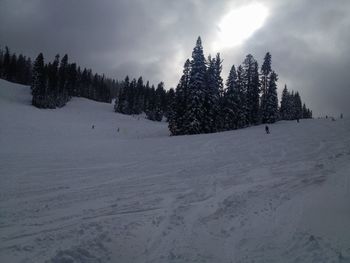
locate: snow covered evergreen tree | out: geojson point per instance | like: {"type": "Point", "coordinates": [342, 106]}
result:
{"type": "Point", "coordinates": [251, 82]}
{"type": "Point", "coordinates": [155, 113]}
{"type": "Point", "coordinates": [72, 79]}
{"type": "Point", "coordinates": [297, 104]}
{"type": "Point", "coordinates": [176, 121]}
{"type": "Point", "coordinates": [232, 103]}
{"type": "Point", "coordinates": [284, 112]}
{"type": "Point", "coordinates": [170, 103]}
{"type": "Point", "coordinates": [211, 99]}
{"type": "Point", "coordinates": [307, 113]}
{"type": "Point", "coordinates": [139, 94]}
{"type": "Point", "coordinates": [62, 96]}
{"type": "Point", "coordinates": [271, 108]}
{"type": "Point", "coordinates": [219, 83]}
{"type": "Point", "coordinates": [52, 83]}
{"type": "Point", "coordinates": [6, 64]}
{"type": "Point", "coordinates": [265, 80]}
{"type": "Point", "coordinates": [38, 85]}
{"type": "Point", "coordinates": [193, 119]}
{"type": "Point", "coordinates": [121, 104]}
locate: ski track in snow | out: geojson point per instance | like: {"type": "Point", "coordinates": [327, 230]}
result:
{"type": "Point", "coordinates": [69, 193]}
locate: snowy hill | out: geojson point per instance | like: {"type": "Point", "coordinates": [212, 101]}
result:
{"type": "Point", "coordinates": [70, 193]}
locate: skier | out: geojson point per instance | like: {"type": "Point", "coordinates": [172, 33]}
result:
{"type": "Point", "coordinates": [267, 129]}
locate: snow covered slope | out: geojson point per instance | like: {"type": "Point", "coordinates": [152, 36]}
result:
{"type": "Point", "coordinates": [69, 193]}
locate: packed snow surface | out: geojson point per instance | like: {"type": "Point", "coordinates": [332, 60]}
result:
{"type": "Point", "coordinates": [70, 193]}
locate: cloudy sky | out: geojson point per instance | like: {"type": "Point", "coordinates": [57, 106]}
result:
{"type": "Point", "coordinates": [308, 39]}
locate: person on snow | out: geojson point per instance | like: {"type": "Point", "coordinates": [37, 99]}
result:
{"type": "Point", "coordinates": [267, 129]}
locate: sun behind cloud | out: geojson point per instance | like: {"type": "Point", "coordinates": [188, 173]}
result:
{"type": "Point", "coordinates": [239, 24]}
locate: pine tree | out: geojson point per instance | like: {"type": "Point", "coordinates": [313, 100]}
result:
{"type": "Point", "coordinates": [28, 72]}
{"type": "Point", "coordinates": [6, 64]}
{"type": "Point", "coordinates": [177, 121]}
{"type": "Point", "coordinates": [53, 79]}
{"type": "Point", "coordinates": [265, 79]}
{"type": "Point", "coordinates": [19, 75]}
{"type": "Point", "coordinates": [131, 91]}
{"type": "Point", "coordinates": [146, 97]}
{"type": "Point", "coordinates": [1, 62]}
{"type": "Point", "coordinates": [38, 83]}
{"type": "Point", "coordinates": [139, 96]}
{"type": "Point", "coordinates": [158, 112]}
{"type": "Point", "coordinates": [298, 111]}
{"type": "Point", "coordinates": [284, 104]}
{"type": "Point", "coordinates": [12, 68]}
{"type": "Point", "coordinates": [95, 86]}
{"type": "Point", "coordinates": [62, 97]}
{"type": "Point", "coordinates": [219, 94]}
{"type": "Point", "coordinates": [271, 110]}
{"type": "Point", "coordinates": [242, 115]}
{"type": "Point", "coordinates": [251, 82]}
{"type": "Point", "coordinates": [72, 80]}
{"type": "Point", "coordinates": [121, 104]}
{"type": "Point", "coordinates": [152, 103]}
{"type": "Point", "coordinates": [232, 103]}
{"type": "Point", "coordinates": [170, 103]}
{"type": "Point", "coordinates": [193, 119]}
{"type": "Point", "coordinates": [211, 99]}
{"type": "Point", "coordinates": [305, 113]}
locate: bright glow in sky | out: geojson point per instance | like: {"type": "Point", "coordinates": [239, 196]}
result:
{"type": "Point", "coordinates": [239, 24]}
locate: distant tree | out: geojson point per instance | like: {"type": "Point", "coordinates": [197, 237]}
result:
{"type": "Point", "coordinates": [271, 108]}
{"type": "Point", "coordinates": [28, 71]}
{"type": "Point", "coordinates": [219, 95]}
{"type": "Point", "coordinates": [297, 104]}
{"type": "Point", "coordinates": [121, 104]}
{"type": "Point", "coordinates": [211, 98]}
{"type": "Point", "coordinates": [170, 103]}
{"type": "Point", "coordinates": [251, 82]}
{"type": "Point", "coordinates": [38, 83]}
{"type": "Point", "coordinates": [6, 64]}
{"type": "Point", "coordinates": [139, 96]}
{"type": "Point", "coordinates": [53, 78]}
{"type": "Point", "coordinates": [242, 114]}
{"type": "Point", "coordinates": [12, 68]}
{"type": "Point", "coordinates": [155, 113]}
{"type": "Point", "coordinates": [180, 107]}
{"type": "Point", "coordinates": [265, 73]}
{"type": "Point", "coordinates": [232, 103]}
{"type": "Point", "coordinates": [1, 62]}
{"type": "Point", "coordinates": [20, 68]}
{"type": "Point", "coordinates": [62, 96]}
{"type": "Point", "coordinates": [284, 111]}
{"type": "Point", "coordinates": [72, 80]}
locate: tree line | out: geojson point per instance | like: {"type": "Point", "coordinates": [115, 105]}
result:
{"type": "Point", "coordinates": [54, 83]}
{"type": "Point", "coordinates": [15, 68]}
{"type": "Point", "coordinates": [292, 107]}
{"type": "Point", "coordinates": [136, 97]}
{"type": "Point", "coordinates": [203, 105]}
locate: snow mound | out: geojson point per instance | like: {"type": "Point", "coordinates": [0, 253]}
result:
{"type": "Point", "coordinates": [70, 193]}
